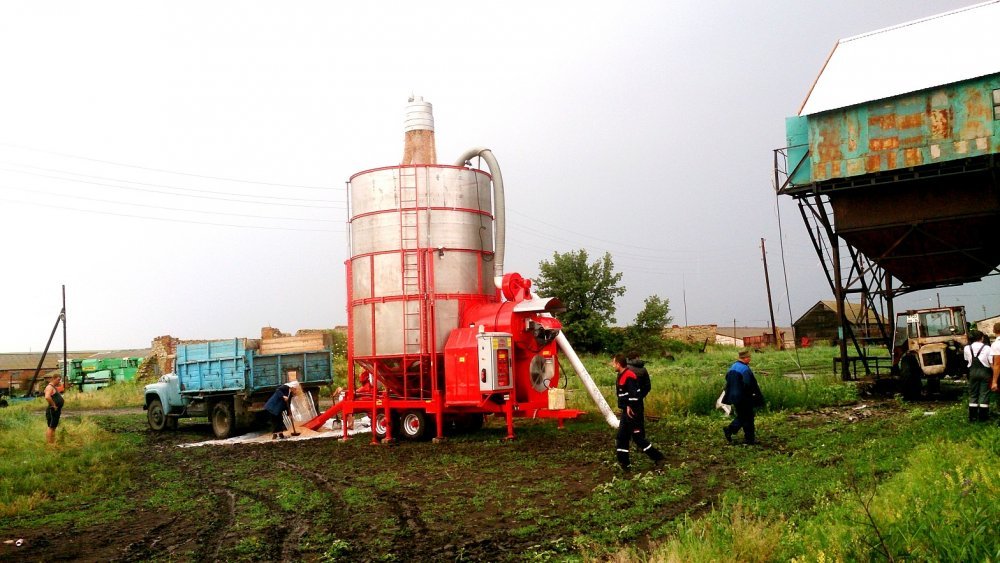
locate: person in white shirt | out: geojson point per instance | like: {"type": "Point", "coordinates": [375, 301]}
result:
{"type": "Point", "coordinates": [995, 350]}
{"type": "Point", "coordinates": [979, 358]}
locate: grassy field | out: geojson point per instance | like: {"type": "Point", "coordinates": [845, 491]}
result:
{"type": "Point", "coordinates": [837, 478]}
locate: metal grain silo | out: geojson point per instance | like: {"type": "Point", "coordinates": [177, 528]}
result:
{"type": "Point", "coordinates": [421, 250]}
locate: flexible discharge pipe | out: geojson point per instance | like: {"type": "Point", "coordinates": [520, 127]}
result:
{"type": "Point", "coordinates": [498, 205]}
{"type": "Point", "coordinates": [588, 382]}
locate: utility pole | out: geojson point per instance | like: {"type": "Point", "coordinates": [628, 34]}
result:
{"type": "Point", "coordinates": [65, 381]}
{"type": "Point", "coordinates": [684, 294]}
{"type": "Point", "coordinates": [60, 319]}
{"type": "Point", "coordinates": [770, 305]}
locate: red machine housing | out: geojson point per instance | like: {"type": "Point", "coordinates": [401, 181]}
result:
{"type": "Point", "coordinates": [501, 362]}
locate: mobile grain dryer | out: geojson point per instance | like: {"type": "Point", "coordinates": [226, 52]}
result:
{"type": "Point", "coordinates": [438, 334]}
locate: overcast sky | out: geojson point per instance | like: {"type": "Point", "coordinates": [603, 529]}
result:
{"type": "Point", "coordinates": [181, 166]}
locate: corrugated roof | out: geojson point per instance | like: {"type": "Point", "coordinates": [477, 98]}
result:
{"type": "Point", "coordinates": [934, 51]}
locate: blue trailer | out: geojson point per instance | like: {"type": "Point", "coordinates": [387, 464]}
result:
{"type": "Point", "coordinates": [229, 381]}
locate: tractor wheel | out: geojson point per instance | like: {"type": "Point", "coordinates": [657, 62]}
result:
{"type": "Point", "coordinates": [155, 416]}
{"type": "Point", "coordinates": [416, 425]}
{"type": "Point", "coordinates": [380, 426]}
{"type": "Point", "coordinates": [222, 419]}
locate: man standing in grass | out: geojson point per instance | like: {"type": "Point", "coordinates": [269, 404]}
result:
{"type": "Point", "coordinates": [978, 356]}
{"type": "Point", "coordinates": [55, 400]}
{"type": "Point", "coordinates": [995, 353]}
{"type": "Point", "coordinates": [632, 428]}
{"type": "Point", "coordinates": [744, 394]}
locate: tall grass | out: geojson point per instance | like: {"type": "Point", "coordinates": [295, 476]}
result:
{"type": "Point", "coordinates": [120, 395]}
{"type": "Point", "coordinates": [84, 460]}
{"type": "Point", "coordinates": [926, 490]}
{"type": "Point", "coordinates": [691, 382]}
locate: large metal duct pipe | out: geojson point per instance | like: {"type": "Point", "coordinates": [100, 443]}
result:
{"type": "Point", "coordinates": [498, 205]}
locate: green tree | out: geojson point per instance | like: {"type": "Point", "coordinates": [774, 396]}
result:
{"type": "Point", "coordinates": [645, 335]}
{"type": "Point", "coordinates": [588, 290]}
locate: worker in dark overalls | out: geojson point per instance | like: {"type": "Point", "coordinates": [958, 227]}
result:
{"type": "Point", "coordinates": [631, 428]}
{"type": "Point", "coordinates": [277, 405]}
{"type": "Point", "coordinates": [979, 359]}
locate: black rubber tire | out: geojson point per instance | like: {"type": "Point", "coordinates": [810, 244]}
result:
{"type": "Point", "coordinates": [3, 403]}
{"type": "Point", "coordinates": [415, 425]}
{"type": "Point", "coordinates": [221, 417]}
{"type": "Point", "coordinates": [155, 416]}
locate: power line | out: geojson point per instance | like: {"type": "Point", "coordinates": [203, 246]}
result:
{"type": "Point", "coordinates": [169, 186]}
{"type": "Point", "coordinates": [99, 200]}
{"type": "Point", "coordinates": [145, 217]}
{"type": "Point", "coordinates": [163, 170]}
{"type": "Point", "coordinates": [168, 193]}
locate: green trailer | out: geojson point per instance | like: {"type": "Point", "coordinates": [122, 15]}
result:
{"type": "Point", "coordinates": [97, 373]}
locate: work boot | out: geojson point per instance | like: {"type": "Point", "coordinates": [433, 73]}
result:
{"type": "Point", "coordinates": [984, 413]}
{"type": "Point", "coordinates": [973, 413]}
{"type": "Point", "coordinates": [729, 434]}
{"type": "Point", "coordinates": [623, 461]}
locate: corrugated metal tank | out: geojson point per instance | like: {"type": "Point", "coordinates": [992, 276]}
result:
{"type": "Point", "coordinates": [421, 240]}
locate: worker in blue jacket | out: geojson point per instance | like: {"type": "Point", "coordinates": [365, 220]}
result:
{"type": "Point", "coordinates": [631, 428]}
{"type": "Point", "coordinates": [744, 394]}
{"type": "Point", "coordinates": [278, 404]}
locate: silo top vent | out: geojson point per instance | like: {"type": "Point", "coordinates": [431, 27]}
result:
{"type": "Point", "coordinates": [419, 115]}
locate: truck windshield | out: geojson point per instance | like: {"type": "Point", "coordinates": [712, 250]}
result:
{"type": "Point", "coordinates": [936, 323]}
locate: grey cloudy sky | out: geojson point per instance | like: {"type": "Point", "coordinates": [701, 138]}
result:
{"type": "Point", "coordinates": [181, 166]}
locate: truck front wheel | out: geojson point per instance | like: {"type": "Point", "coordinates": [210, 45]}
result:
{"type": "Point", "coordinates": [155, 416]}
{"type": "Point", "coordinates": [222, 419]}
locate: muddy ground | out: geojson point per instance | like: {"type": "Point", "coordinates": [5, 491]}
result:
{"type": "Point", "coordinates": [471, 498]}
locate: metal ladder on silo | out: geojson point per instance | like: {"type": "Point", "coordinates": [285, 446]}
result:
{"type": "Point", "coordinates": [410, 261]}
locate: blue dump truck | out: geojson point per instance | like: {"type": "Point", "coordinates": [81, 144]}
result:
{"type": "Point", "coordinates": [229, 381]}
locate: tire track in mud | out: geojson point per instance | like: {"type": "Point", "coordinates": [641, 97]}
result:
{"type": "Point", "coordinates": [227, 506]}
{"type": "Point", "coordinates": [402, 509]}
{"type": "Point", "coordinates": [300, 528]}
{"type": "Point", "coordinates": [142, 549]}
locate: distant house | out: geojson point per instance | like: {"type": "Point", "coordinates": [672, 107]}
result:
{"type": "Point", "coordinates": [751, 337]}
{"type": "Point", "coordinates": [17, 370]}
{"type": "Point", "coordinates": [986, 325]}
{"type": "Point", "coordinates": [820, 322]}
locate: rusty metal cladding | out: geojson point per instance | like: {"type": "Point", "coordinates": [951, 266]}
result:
{"type": "Point", "coordinates": [945, 123]}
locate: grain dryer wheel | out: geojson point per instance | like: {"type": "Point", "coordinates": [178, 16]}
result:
{"type": "Point", "coordinates": [221, 416]}
{"type": "Point", "coordinates": [155, 416]}
{"type": "Point", "coordinates": [379, 427]}
{"type": "Point", "coordinates": [417, 425]}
